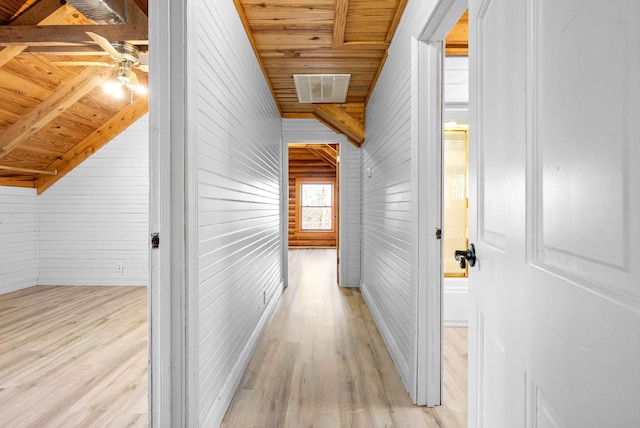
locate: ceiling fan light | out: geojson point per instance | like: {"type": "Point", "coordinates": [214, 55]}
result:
{"type": "Point", "coordinates": [113, 88]}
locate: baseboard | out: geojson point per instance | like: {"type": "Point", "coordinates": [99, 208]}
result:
{"type": "Point", "coordinates": [387, 337]}
{"type": "Point", "coordinates": [10, 288]}
{"type": "Point", "coordinates": [455, 308]}
{"type": "Point", "coordinates": [216, 413]}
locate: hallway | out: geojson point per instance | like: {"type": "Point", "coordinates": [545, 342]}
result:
{"type": "Point", "coordinates": [322, 362]}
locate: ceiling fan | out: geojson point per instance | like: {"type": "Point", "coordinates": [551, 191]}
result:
{"type": "Point", "coordinates": [125, 56]}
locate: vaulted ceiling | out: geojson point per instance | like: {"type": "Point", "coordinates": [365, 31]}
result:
{"type": "Point", "coordinates": [322, 37]}
{"type": "Point", "coordinates": [55, 114]}
{"type": "Point", "coordinates": [52, 115]}
{"type": "Point", "coordinates": [328, 37]}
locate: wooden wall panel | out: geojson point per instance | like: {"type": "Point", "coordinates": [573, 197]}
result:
{"type": "Point", "coordinates": [304, 164]}
{"type": "Point", "coordinates": [387, 196]}
{"type": "Point", "coordinates": [239, 134]}
{"type": "Point", "coordinates": [18, 239]}
{"type": "Point", "coordinates": [98, 216]}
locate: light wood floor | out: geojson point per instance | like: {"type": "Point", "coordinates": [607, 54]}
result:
{"type": "Point", "coordinates": [322, 363]}
{"type": "Point", "coordinates": [73, 357]}
{"type": "Point", "coordinates": [77, 357]}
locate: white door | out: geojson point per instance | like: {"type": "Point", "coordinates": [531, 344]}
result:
{"type": "Point", "coordinates": [554, 336]}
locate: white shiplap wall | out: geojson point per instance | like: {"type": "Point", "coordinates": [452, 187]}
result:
{"type": "Point", "coordinates": [239, 143]}
{"type": "Point", "coordinates": [18, 239]}
{"type": "Point", "coordinates": [387, 194]}
{"type": "Point", "coordinates": [98, 216]}
{"type": "Point", "coordinates": [312, 131]}
{"type": "Point", "coordinates": [456, 79]}
{"type": "Point", "coordinates": [350, 215]}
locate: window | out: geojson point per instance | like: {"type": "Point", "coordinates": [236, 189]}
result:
{"type": "Point", "coordinates": [316, 206]}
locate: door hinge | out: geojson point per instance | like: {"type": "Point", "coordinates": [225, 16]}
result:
{"type": "Point", "coordinates": [338, 260]}
{"type": "Point", "coordinates": [438, 233]}
{"type": "Point", "coordinates": [155, 240]}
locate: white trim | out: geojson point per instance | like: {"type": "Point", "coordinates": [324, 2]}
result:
{"type": "Point", "coordinates": [191, 371]}
{"type": "Point", "coordinates": [327, 137]}
{"type": "Point", "coordinates": [443, 18]}
{"type": "Point", "coordinates": [385, 332]}
{"type": "Point", "coordinates": [167, 208]}
{"type": "Point", "coordinates": [427, 277]}
{"type": "Point", "coordinates": [229, 388]}
{"type": "Point", "coordinates": [455, 307]}
{"type": "Point", "coordinates": [284, 210]}
{"type": "Point", "coordinates": [426, 140]}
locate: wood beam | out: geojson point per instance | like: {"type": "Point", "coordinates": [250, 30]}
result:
{"type": "Point", "coordinates": [87, 147]}
{"type": "Point", "coordinates": [54, 105]}
{"type": "Point", "coordinates": [27, 170]}
{"type": "Point", "coordinates": [18, 182]}
{"type": "Point", "coordinates": [46, 12]}
{"type": "Point", "coordinates": [340, 121]}
{"type": "Point", "coordinates": [76, 50]}
{"type": "Point", "coordinates": [143, 5]}
{"type": "Point", "coordinates": [10, 52]}
{"type": "Point", "coordinates": [322, 155]}
{"type": "Point", "coordinates": [54, 35]}
{"type": "Point", "coordinates": [340, 22]}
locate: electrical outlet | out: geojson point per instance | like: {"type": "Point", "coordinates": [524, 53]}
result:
{"type": "Point", "coordinates": [118, 267]}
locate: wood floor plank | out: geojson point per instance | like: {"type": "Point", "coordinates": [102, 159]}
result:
{"type": "Point", "coordinates": [73, 357]}
{"type": "Point", "coordinates": [77, 357]}
{"type": "Point", "coordinates": [321, 362]}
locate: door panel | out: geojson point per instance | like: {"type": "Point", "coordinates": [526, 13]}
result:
{"type": "Point", "coordinates": [554, 186]}
{"type": "Point", "coordinates": [493, 154]}
{"type": "Point", "coordinates": [583, 151]}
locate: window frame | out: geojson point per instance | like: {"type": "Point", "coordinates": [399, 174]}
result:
{"type": "Point", "coordinates": [300, 181]}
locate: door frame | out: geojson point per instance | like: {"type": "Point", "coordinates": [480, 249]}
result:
{"type": "Point", "coordinates": [426, 146]}
{"type": "Point", "coordinates": [293, 138]}
{"type": "Point", "coordinates": [173, 356]}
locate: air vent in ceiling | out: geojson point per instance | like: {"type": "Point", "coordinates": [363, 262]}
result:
{"type": "Point", "coordinates": [322, 88]}
{"type": "Point", "coordinates": [105, 12]}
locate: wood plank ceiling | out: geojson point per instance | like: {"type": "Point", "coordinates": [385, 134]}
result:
{"type": "Point", "coordinates": [52, 117]}
{"type": "Point", "coordinates": [322, 37]}
{"type": "Point", "coordinates": [327, 37]}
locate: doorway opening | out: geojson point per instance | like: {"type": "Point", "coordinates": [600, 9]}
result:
{"type": "Point", "coordinates": [313, 195]}
{"type": "Point", "coordinates": [455, 201]}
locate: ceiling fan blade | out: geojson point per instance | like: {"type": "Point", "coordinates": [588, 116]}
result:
{"type": "Point", "coordinates": [104, 44]}
{"type": "Point", "coordinates": [83, 63]}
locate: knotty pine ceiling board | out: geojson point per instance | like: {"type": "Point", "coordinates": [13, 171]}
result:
{"type": "Point", "coordinates": [304, 37]}
{"type": "Point", "coordinates": [45, 122]}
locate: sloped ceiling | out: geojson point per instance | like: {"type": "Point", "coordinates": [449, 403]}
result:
{"type": "Point", "coordinates": [52, 116]}
{"type": "Point", "coordinates": [327, 37]}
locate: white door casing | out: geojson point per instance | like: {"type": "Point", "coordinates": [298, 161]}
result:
{"type": "Point", "coordinates": [554, 336]}
{"type": "Point", "coordinates": [426, 177]}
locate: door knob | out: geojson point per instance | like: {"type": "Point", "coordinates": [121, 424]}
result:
{"type": "Point", "coordinates": [466, 256]}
